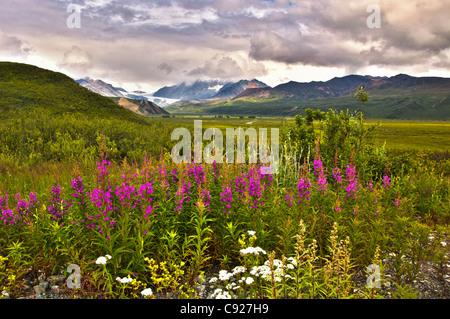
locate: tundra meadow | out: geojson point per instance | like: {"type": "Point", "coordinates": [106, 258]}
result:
{"type": "Point", "coordinates": [338, 219]}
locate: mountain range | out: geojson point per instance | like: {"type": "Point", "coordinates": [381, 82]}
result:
{"type": "Point", "coordinates": [397, 97]}
{"type": "Point", "coordinates": [134, 101]}
{"type": "Point", "coordinates": [200, 91]}
{"type": "Point", "coordinates": [204, 90]}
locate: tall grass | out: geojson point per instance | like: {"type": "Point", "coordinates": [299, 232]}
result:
{"type": "Point", "coordinates": [166, 225]}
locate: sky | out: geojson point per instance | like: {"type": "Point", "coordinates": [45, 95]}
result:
{"type": "Point", "coordinates": [145, 45]}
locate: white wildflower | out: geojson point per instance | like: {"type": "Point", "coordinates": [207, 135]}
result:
{"type": "Point", "coordinates": [224, 275]}
{"type": "Point", "coordinates": [252, 251]}
{"type": "Point", "coordinates": [146, 292]}
{"type": "Point", "coordinates": [213, 280]}
{"type": "Point", "coordinates": [101, 261]}
{"type": "Point", "coordinates": [277, 263]}
{"type": "Point", "coordinates": [220, 294]}
{"type": "Point", "coordinates": [443, 243]}
{"type": "Point", "coordinates": [249, 280]}
{"type": "Point", "coordinates": [251, 233]}
{"type": "Point", "coordinates": [293, 261]}
{"type": "Point", "coordinates": [261, 271]}
{"type": "Point", "coordinates": [124, 280]}
{"type": "Point", "coordinates": [288, 277]}
{"type": "Point", "coordinates": [238, 270]}
{"type": "Point", "coordinates": [108, 256]}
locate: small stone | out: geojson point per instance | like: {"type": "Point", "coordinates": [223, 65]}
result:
{"type": "Point", "coordinates": [44, 284]}
{"type": "Point", "coordinates": [55, 288]}
{"type": "Point", "coordinates": [56, 279]}
{"type": "Point", "coordinates": [41, 277]}
{"type": "Point", "coordinates": [39, 290]}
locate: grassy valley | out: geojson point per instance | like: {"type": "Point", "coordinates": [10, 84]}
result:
{"type": "Point", "coordinates": [86, 182]}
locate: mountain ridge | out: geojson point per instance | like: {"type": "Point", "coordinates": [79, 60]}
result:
{"type": "Point", "coordinates": [398, 96]}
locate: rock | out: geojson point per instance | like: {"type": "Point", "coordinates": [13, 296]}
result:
{"type": "Point", "coordinates": [55, 288]}
{"type": "Point", "coordinates": [39, 290]}
{"type": "Point", "coordinates": [44, 284]}
{"type": "Point", "coordinates": [56, 279]}
{"type": "Point", "coordinates": [41, 277]}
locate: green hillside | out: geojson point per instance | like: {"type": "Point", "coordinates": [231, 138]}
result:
{"type": "Point", "coordinates": [47, 116]}
{"type": "Point", "coordinates": [421, 102]}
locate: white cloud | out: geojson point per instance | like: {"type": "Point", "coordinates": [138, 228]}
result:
{"type": "Point", "coordinates": [13, 45]}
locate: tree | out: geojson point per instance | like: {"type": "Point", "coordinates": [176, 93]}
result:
{"type": "Point", "coordinates": [362, 95]}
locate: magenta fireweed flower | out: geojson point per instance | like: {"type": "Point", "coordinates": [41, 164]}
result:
{"type": "Point", "coordinates": [240, 187]}
{"type": "Point", "coordinates": [352, 181]}
{"type": "Point", "coordinates": [337, 175]}
{"type": "Point", "coordinates": [174, 175]}
{"type": "Point", "coordinates": [162, 171]}
{"type": "Point", "coordinates": [3, 202]}
{"type": "Point", "coordinates": [148, 211]}
{"type": "Point", "coordinates": [197, 172]}
{"type": "Point", "coordinates": [8, 217]}
{"type": "Point", "coordinates": [216, 173]}
{"type": "Point", "coordinates": [322, 183]}
{"type": "Point", "coordinates": [96, 197]}
{"type": "Point", "coordinates": [206, 198]}
{"type": "Point", "coordinates": [303, 188]}
{"type": "Point", "coordinates": [125, 193]}
{"type": "Point", "coordinates": [254, 188]}
{"type": "Point", "coordinates": [182, 195]}
{"type": "Point", "coordinates": [288, 199]}
{"type": "Point", "coordinates": [103, 201]}
{"type": "Point", "coordinates": [58, 206]}
{"type": "Point", "coordinates": [321, 180]}
{"type": "Point", "coordinates": [255, 191]}
{"type": "Point", "coordinates": [55, 208]}
{"type": "Point", "coordinates": [18, 215]}
{"type": "Point", "coordinates": [318, 166]}
{"type": "Point", "coordinates": [145, 190]}
{"type": "Point", "coordinates": [78, 186]}
{"type": "Point", "coordinates": [386, 182]}
{"type": "Point", "coordinates": [226, 197]}
{"type": "Point", "coordinates": [102, 167]}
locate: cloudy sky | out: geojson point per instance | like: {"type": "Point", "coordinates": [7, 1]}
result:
{"type": "Point", "coordinates": [144, 44]}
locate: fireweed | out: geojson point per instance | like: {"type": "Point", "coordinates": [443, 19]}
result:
{"type": "Point", "coordinates": [127, 212]}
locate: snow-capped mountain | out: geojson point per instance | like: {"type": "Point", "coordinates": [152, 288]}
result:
{"type": "Point", "coordinates": [195, 91]}
{"type": "Point", "coordinates": [106, 89]}
{"type": "Point", "coordinates": [102, 88]}
{"type": "Point", "coordinates": [232, 90]}
{"type": "Point", "coordinates": [200, 91]}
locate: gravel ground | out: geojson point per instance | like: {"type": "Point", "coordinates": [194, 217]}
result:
{"type": "Point", "coordinates": [429, 283]}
